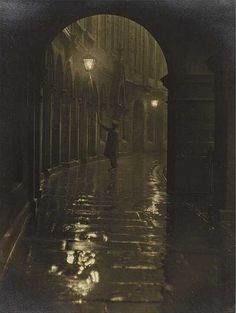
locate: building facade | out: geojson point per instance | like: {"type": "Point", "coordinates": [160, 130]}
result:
{"type": "Point", "coordinates": [122, 87]}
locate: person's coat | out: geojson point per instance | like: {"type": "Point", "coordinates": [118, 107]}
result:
{"type": "Point", "coordinates": [112, 143]}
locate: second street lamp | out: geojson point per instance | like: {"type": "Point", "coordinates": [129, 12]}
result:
{"type": "Point", "coordinates": [154, 103]}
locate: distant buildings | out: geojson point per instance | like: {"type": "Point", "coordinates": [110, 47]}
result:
{"type": "Point", "coordinates": [129, 66]}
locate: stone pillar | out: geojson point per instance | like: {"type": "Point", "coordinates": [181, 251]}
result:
{"type": "Point", "coordinates": [165, 130]}
{"type": "Point", "coordinates": [69, 126]}
{"type": "Point", "coordinates": [190, 132]}
{"type": "Point", "coordinates": [74, 131]}
{"type": "Point", "coordinates": [96, 133]}
{"type": "Point", "coordinates": [92, 133]}
{"type": "Point", "coordinates": [50, 127]}
{"type": "Point", "coordinates": [83, 132]}
{"type": "Point", "coordinates": [47, 128]}
{"type": "Point", "coordinates": [61, 100]}
{"type": "Point", "coordinates": [224, 146]}
{"type": "Point", "coordinates": [55, 144]}
{"type": "Point", "coordinates": [65, 129]}
{"type": "Point", "coordinates": [36, 122]}
{"type": "Point", "coordinates": [160, 121]}
{"type": "Point", "coordinates": [224, 169]}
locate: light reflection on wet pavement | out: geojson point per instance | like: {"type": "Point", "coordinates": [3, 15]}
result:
{"type": "Point", "coordinates": [115, 242]}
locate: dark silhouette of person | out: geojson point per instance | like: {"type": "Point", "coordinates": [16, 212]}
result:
{"type": "Point", "coordinates": [112, 143]}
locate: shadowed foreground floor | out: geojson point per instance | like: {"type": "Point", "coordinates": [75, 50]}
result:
{"type": "Point", "coordinates": [115, 242]}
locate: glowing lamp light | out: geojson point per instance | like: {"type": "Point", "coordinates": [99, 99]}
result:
{"type": "Point", "coordinates": [89, 63]}
{"type": "Point", "coordinates": [154, 103]}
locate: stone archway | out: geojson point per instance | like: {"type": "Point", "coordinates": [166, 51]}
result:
{"type": "Point", "coordinates": [187, 75]}
{"type": "Point", "coordinates": [192, 42]}
{"type": "Point", "coordinates": [182, 74]}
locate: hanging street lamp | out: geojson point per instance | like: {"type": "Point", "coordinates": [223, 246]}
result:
{"type": "Point", "coordinates": [89, 63]}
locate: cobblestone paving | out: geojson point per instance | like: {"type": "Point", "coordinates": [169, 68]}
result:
{"type": "Point", "coordinates": [114, 242]}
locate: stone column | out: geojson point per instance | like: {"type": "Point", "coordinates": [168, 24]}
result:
{"type": "Point", "coordinates": [224, 134]}
{"type": "Point", "coordinates": [46, 127]}
{"type": "Point", "coordinates": [224, 169]}
{"type": "Point", "coordinates": [36, 121]}
{"type": "Point", "coordinates": [190, 132]}
{"type": "Point", "coordinates": [83, 132]}
{"type": "Point", "coordinates": [55, 128]}
{"type": "Point", "coordinates": [74, 131]}
{"type": "Point", "coordinates": [160, 127]}
{"type": "Point", "coordinates": [65, 129]}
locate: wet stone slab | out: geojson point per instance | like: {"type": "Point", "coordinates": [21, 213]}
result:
{"type": "Point", "coordinates": [114, 243]}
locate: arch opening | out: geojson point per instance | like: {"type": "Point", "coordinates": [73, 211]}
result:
{"type": "Point", "coordinates": [129, 68]}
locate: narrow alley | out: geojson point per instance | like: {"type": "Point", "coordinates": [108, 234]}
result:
{"type": "Point", "coordinates": [112, 241]}
{"type": "Point", "coordinates": [117, 156]}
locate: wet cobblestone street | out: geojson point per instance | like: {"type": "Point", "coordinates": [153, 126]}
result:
{"type": "Point", "coordinates": [115, 242]}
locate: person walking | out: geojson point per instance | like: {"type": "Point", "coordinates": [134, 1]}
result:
{"type": "Point", "coordinates": [112, 143]}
